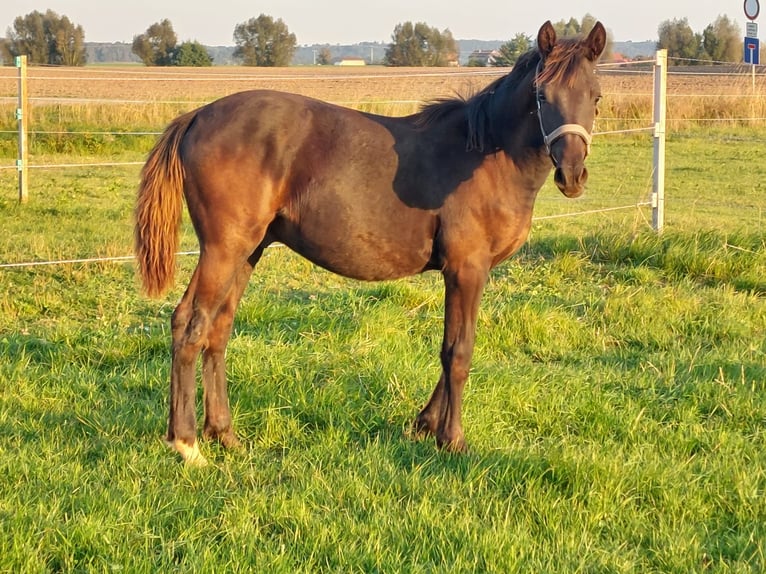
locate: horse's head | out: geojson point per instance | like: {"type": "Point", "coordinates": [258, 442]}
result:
{"type": "Point", "coordinates": [567, 93]}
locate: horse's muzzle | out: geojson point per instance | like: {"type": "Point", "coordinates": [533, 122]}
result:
{"type": "Point", "coordinates": [569, 148]}
{"type": "Point", "coordinates": [571, 179]}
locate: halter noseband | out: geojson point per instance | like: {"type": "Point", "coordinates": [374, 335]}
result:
{"type": "Point", "coordinates": [560, 131]}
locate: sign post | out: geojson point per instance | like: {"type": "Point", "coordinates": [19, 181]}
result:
{"type": "Point", "coordinates": [752, 46]}
{"type": "Point", "coordinates": [752, 51]}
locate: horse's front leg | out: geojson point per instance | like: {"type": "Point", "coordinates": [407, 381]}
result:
{"type": "Point", "coordinates": [442, 416]}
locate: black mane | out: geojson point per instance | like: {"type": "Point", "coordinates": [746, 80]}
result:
{"type": "Point", "coordinates": [476, 107]}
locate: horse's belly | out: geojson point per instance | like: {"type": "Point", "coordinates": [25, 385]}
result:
{"type": "Point", "coordinates": [362, 247]}
{"type": "Point", "coordinates": [369, 264]}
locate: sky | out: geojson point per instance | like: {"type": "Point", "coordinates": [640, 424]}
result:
{"type": "Point", "coordinates": [212, 22]}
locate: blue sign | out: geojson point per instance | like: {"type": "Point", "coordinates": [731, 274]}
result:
{"type": "Point", "coordinates": [752, 51]}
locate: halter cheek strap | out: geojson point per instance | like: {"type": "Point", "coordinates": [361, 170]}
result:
{"type": "Point", "coordinates": [561, 131]}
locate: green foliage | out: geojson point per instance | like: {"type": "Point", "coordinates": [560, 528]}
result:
{"type": "Point", "coordinates": [574, 27]}
{"type": "Point", "coordinates": [156, 47]}
{"type": "Point", "coordinates": [722, 40]}
{"type": "Point", "coordinates": [263, 41]}
{"type": "Point", "coordinates": [191, 54]}
{"type": "Point", "coordinates": [45, 39]}
{"type": "Point", "coordinates": [6, 57]}
{"type": "Point", "coordinates": [568, 29]}
{"type": "Point", "coordinates": [682, 44]}
{"type": "Point", "coordinates": [324, 57]}
{"type": "Point", "coordinates": [512, 50]}
{"type": "Point", "coordinates": [420, 45]}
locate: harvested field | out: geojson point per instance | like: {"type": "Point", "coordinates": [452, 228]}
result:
{"type": "Point", "coordinates": [694, 93]}
{"type": "Point", "coordinates": [373, 84]}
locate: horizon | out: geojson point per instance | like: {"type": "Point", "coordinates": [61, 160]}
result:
{"type": "Point", "coordinates": [363, 43]}
{"type": "Point", "coordinates": [343, 22]}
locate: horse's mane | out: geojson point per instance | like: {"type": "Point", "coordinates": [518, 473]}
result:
{"type": "Point", "coordinates": [560, 66]}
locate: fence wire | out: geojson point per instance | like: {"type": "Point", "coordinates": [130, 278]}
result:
{"type": "Point", "coordinates": [146, 76]}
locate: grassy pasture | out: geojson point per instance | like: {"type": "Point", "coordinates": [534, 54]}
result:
{"type": "Point", "coordinates": [616, 409]}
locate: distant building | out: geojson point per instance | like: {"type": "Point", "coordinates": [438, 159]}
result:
{"type": "Point", "coordinates": [483, 58]}
{"type": "Point", "coordinates": [350, 61]}
{"type": "Point", "coordinates": [618, 58]}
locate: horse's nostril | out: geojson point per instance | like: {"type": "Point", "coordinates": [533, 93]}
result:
{"type": "Point", "coordinates": [571, 181]}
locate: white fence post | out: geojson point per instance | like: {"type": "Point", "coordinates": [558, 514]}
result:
{"type": "Point", "coordinates": [22, 116]}
{"type": "Point", "coordinates": [660, 112]}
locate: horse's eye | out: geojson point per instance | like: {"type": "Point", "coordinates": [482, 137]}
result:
{"type": "Point", "coordinates": [541, 97]}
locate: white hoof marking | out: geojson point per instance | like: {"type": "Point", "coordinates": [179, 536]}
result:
{"type": "Point", "coordinates": [191, 454]}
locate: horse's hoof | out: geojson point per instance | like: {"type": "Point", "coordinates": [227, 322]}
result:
{"type": "Point", "coordinates": [456, 445]}
{"type": "Point", "coordinates": [190, 454]}
{"type": "Point", "coordinates": [422, 428]}
{"type": "Point", "coordinates": [227, 439]}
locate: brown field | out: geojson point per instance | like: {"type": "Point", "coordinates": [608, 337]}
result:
{"type": "Point", "coordinates": [369, 84]}
{"type": "Point", "coordinates": [694, 96]}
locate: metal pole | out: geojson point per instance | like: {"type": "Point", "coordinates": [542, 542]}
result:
{"type": "Point", "coordinates": [22, 116]}
{"type": "Point", "coordinates": [753, 76]}
{"type": "Point", "coordinates": [660, 112]}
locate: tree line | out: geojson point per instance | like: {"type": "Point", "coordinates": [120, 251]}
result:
{"type": "Point", "coordinates": [47, 38]}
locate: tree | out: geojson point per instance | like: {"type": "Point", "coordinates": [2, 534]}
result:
{"type": "Point", "coordinates": [722, 40]}
{"type": "Point", "coordinates": [68, 41]}
{"type": "Point", "coordinates": [677, 37]}
{"type": "Point", "coordinates": [512, 50]}
{"type": "Point", "coordinates": [324, 57]}
{"type": "Point", "coordinates": [46, 39]}
{"type": "Point", "coordinates": [5, 52]}
{"type": "Point", "coordinates": [264, 41]}
{"type": "Point", "coordinates": [420, 45]}
{"type": "Point", "coordinates": [582, 28]}
{"type": "Point", "coordinates": [191, 54]}
{"type": "Point", "coordinates": [157, 45]}
{"type": "Point", "coordinates": [567, 29]}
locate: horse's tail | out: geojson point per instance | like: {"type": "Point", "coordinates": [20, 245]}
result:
{"type": "Point", "coordinates": [158, 209]}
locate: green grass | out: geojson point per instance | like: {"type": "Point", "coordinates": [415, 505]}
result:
{"type": "Point", "coordinates": [616, 409]}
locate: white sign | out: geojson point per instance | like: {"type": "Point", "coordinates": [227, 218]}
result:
{"type": "Point", "coordinates": [752, 8]}
{"type": "Point", "coordinates": [752, 29]}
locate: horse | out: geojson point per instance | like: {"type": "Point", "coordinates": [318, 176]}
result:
{"type": "Point", "coordinates": [450, 188]}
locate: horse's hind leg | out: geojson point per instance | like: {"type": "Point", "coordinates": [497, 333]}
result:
{"type": "Point", "coordinates": [192, 325]}
{"type": "Point", "coordinates": [217, 414]}
{"type": "Point", "coordinates": [182, 433]}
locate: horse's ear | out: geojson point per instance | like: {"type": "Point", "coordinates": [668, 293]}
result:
{"type": "Point", "coordinates": [596, 41]}
{"type": "Point", "coordinates": [546, 39]}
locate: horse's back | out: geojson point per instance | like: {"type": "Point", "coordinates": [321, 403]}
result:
{"type": "Point", "coordinates": [323, 178]}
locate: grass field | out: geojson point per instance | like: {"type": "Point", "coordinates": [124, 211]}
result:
{"type": "Point", "coordinates": [616, 409]}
